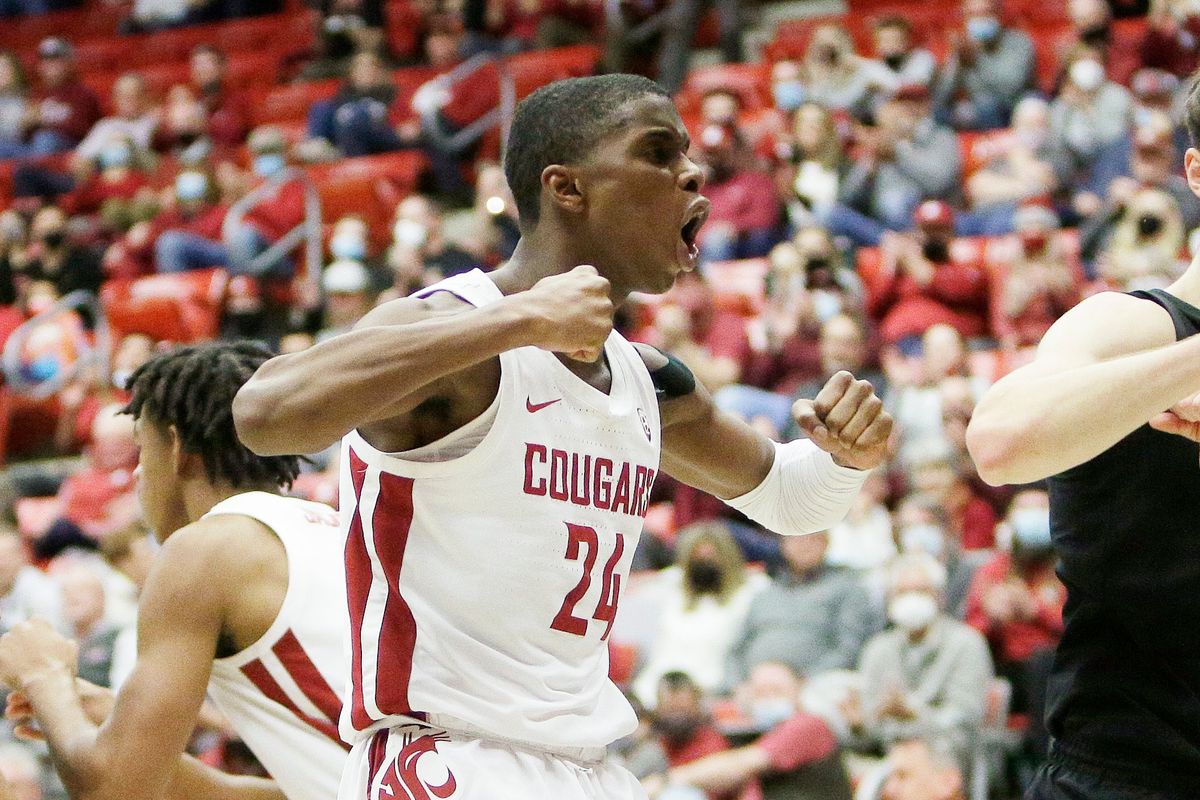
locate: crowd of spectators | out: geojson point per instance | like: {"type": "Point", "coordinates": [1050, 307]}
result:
{"type": "Point", "coordinates": [914, 201]}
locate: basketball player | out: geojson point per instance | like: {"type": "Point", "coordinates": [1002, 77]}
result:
{"type": "Point", "coordinates": [241, 601]}
{"type": "Point", "coordinates": [1108, 412]}
{"type": "Point", "coordinates": [500, 445]}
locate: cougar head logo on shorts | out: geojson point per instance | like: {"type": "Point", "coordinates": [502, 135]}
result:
{"type": "Point", "coordinates": [402, 781]}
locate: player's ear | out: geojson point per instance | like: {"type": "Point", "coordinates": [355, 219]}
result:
{"type": "Point", "coordinates": [1191, 168]}
{"type": "Point", "coordinates": [562, 185]}
{"type": "Point", "coordinates": [182, 462]}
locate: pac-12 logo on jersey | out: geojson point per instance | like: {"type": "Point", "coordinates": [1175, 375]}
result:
{"type": "Point", "coordinates": [414, 770]}
{"type": "Point", "coordinates": [645, 424]}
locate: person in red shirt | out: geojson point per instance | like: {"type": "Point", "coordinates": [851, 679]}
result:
{"type": "Point", "coordinates": [795, 748]}
{"type": "Point", "coordinates": [169, 241]}
{"type": "Point", "coordinates": [1171, 36]}
{"type": "Point", "coordinates": [685, 729]}
{"type": "Point", "coordinates": [1091, 21]}
{"type": "Point", "coordinates": [971, 518]}
{"type": "Point", "coordinates": [65, 108]}
{"type": "Point", "coordinates": [746, 212]}
{"type": "Point", "coordinates": [926, 280]}
{"type": "Point", "coordinates": [1016, 599]}
{"type": "Point", "coordinates": [228, 111]}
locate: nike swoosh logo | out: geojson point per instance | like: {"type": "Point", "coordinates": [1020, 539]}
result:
{"type": "Point", "coordinates": [533, 407]}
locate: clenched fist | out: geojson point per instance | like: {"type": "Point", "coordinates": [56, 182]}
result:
{"type": "Point", "coordinates": [573, 313]}
{"type": "Point", "coordinates": [32, 648]}
{"type": "Point", "coordinates": [847, 421]}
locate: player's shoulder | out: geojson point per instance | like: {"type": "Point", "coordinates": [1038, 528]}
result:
{"type": "Point", "coordinates": [1109, 325]}
{"type": "Point", "coordinates": [219, 546]}
{"type": "Point", "coordinates": [407, 310]}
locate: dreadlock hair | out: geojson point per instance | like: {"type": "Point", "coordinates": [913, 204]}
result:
{"type": "Point", "coordinates": [560, 123]}
{"type": "Point", "coordinates": [193, 388]}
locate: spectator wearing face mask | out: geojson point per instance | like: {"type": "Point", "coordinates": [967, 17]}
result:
{"type": "Point", "coordinates": [705, 598]}
{"type": "Point", "coordinates": [927, 281]}
{"type": "Point", "coordinates": [1038, 285]}
{"type": "Point", "coordinates": [895, 48]}
{"type": "Point", "coordinates": [906, 158]}
{"type": "Point", "coordinates": [52, 257]}
{"type": "Point", "coordinates": [927, 676]}
{"type": "Point", "coordinates": [183, 236]}
{"type": "Point", "coordinates": [922, 526]}
{"type": "Point", "coordinates": [796, 756]}
{"type": "Point", "coordinates": [118, 190]}
{"type": "Point", "coordinates": [813, 617]}
{"type": "Point", "coordinates": [971, 518]}
{"type": "Point", "coordinates": [1016, 599]}
{"type": "Point", "coordinates": [1090, 115]}
{"type": "Point", "coordinates": [1092, 25]}
{"type": "Point", "coordinates": [990, 66]}
{"type": "Point", "coordinates": [348, 297]}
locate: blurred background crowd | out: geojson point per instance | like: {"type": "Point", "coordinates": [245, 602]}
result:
{"type": "Point", "coordinates": [910, 191]}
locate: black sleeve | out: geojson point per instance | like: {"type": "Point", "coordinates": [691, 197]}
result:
{"type": "Point", "coordinates": [673, 379]}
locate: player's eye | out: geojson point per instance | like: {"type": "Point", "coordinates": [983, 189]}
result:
{"type": "Point", "coordinates": [663, 154]}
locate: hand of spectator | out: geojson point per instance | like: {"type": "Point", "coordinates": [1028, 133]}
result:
{"type": "Point", "coordinates": [896, 706]}
{"type": "Point", "coordinates": [97, 703]}
{"type": "Point", "coordinates": [847, 420]}
{"type": "Point", "coordinates": [1023, 603]}
{"type": "Point", "coordinates": [33, 649]}
{"type": "Point", "coordinates": [1122, 190]}
{"type": "Point", "coordinates": [997, 604]}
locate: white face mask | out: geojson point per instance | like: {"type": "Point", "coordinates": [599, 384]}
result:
{"type": "Point", "coordinates": [912, 611]}
{"type": "Point", "coordinates": [1087, 74]}
{"type": "Point", "coordinates": [409, 233]}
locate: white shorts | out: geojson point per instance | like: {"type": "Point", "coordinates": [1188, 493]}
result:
{"type": "Point", "coordinates": [419, 762]}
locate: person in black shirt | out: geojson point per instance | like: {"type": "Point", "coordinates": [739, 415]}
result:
{"type": "Point", "coordinates": [51, 256]}
{"type": "Point", "coordinates": [1110, 412]}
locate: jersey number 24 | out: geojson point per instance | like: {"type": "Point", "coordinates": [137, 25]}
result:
{"type": "Point", "coordinates": [585, 538]}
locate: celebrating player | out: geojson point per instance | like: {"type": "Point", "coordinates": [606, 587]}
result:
{"type": "Point", "coordinates": [500, 445]}
{"type": "Point", "coordinates": [241, 602]}
{"type": "Point", "coordinates": [1110, 409]}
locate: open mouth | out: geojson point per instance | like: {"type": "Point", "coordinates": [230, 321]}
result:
{"type": "Point", "coordinates": [690, 231]}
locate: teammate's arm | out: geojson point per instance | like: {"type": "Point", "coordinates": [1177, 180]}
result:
{"type": "Point", "coordinates": [798, 487]}
{"type": "Point", "coordinates": [407, 351]}
{"type": "Point", "coordinates": [1103, 370]}
{"type": "Point", "coordinates": [134, 755]}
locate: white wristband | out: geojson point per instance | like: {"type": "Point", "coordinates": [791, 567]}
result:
{"type": "Point", "coordinates": [804, 492]}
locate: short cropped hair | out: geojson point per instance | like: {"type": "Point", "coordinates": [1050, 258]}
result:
{"type": "Point", "coordinates": [1191, 116]}
{"type": "Point", "coordinates": [561, 123]}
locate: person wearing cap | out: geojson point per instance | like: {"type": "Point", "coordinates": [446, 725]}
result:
{"type": "Point", "coordinates": [926, 280]}
{"type": "Point", "coordinates": [746, 213]}
{"type": "Point", "coordinates": [64, 109]}
{"type": "Point", "coordinates": [347, 286]}
{"type": "Point", "coordinates": [1038, 286]}
{"type": "Point", "coordinates": [990, 66]}
{"type": "Point", "coordinates": [907, 157]}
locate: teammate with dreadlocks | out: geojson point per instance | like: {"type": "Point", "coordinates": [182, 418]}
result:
{"type": "Point", "coordinates": [241, 602]}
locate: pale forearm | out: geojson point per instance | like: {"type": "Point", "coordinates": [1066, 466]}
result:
{"type": "Point", "coordinates": [303, 402]}
{"type": "Point", "coordinates": [1026, 429]}
{"type": "Point", "coordinates": [722, 773]}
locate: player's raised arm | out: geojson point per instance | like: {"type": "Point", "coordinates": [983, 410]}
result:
{"type": "Point", "coordinates": [135, 754]}
{"type": "Point", "coordinates": [407, 351]}
{"type": "Point", "coordinates": [793, 488]}
{"type": "Point", "coordinates": [1101, 372]}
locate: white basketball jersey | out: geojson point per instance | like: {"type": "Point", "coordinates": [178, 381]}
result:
{"type": "Point", "coordinates": [281, 694]}
{"type": "Point", "coordinates": [482, 589]}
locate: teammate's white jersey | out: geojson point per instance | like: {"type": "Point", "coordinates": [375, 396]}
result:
{"type": "Point", "coordinates": [482, 588]}
{"type": "Point", "coordinates": [281, 694]}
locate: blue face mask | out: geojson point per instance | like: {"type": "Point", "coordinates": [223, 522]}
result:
{"type": "Point", "coordinates": [769, 713]}
{"type": "Point", "coordinates": [348, 246]}
{"type": "Point", "coordinates": [115, 155]}
{"type": "Point", "coordinates": [1031, 528]}
{"type": "Point", "coordinates": [923, 538]}
{"type": "Point", "coordinates": [789, 95]}
{"type": "Point", "coordinates": [983, 29]}
{"type": "Point", "coordinates": [267, 164]}
{"type": "Point", "coordinates": [190, 186]}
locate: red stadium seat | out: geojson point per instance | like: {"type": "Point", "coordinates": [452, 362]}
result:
{"type": "Point", "coordinates": [183, 307]}
{"type": "Point", "coordinates": [402, 28]}
{"type": "Point", "coordinates": [290, 102]}
{"type": "Point", "coordinates": [750, 82]}
{"type": "Point", "coordinates": [739, 285]}
{"type": "Point", "coordinates": [534, 69]}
